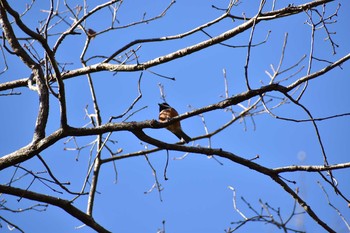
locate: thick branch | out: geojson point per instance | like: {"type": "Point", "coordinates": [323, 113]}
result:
{"type": "Point", "coordinates": [35, 148]}
{"type": "Point", "coordinates": [37, 72]}
{"type": "Point", "coordinates": [30, 150]}
{"type": "Point", "coordinates": [51, 57]}
{"type": "Point", "coordinates": [188, 50]}
{"type": "Point", "coordinates": [61, 203]}
{"type": "Point", "coordinates": [311, 168]}
{"type": "Point", "coordinates": [245, 162]}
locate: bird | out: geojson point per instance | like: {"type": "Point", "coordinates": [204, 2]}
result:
{"type": "Point", "coordinates": [165, 114]}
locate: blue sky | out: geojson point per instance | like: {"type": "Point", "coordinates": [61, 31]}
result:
{"type": "Point", "coordinates": [196, 198]}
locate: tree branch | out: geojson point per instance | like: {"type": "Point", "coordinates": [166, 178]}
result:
{"type": "Point", "coordinates": [188, 50]}
{"type": "Point", "coordinates": [237, 159]}
{"type": "Point", "coordinates": [35, 148]}
{"type": "Point", "coordinates": [61, 203]}
{"type": "Point", "coordinates": [311, 168]}
{"type": "Point", "coordinates": [37, 72]}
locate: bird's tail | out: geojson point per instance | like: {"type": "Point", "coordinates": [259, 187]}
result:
{"type": "Point", "coordinates": [182, 136]}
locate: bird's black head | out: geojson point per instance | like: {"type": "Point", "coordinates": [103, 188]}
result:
{"type": "Point", "coordinates": [163, 106]}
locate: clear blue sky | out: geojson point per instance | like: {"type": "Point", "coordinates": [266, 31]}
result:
{"type": "Point", "coordinates": [196, 198]}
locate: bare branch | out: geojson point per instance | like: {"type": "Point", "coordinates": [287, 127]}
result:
{"type": "Point", "coordinates": [78, 23]}
{"type": "Point", "coordinates": [247, 163]}
{"type": "Point", "coordinates": [335, 208]}
{"type": "Point", "coordinates": [40, 52]}
{"type": "Point", "coordinates": [36, 70]}
{"type": "Point", "coordinates": [311, 168]}
{"type": "Point", "coordinates": [11, 225]}
{"type": "Point", "coordinates": [61, 203]}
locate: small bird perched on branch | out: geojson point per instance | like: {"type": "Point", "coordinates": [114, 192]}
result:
{"type": "Point", "coordinates": [165, 114]}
